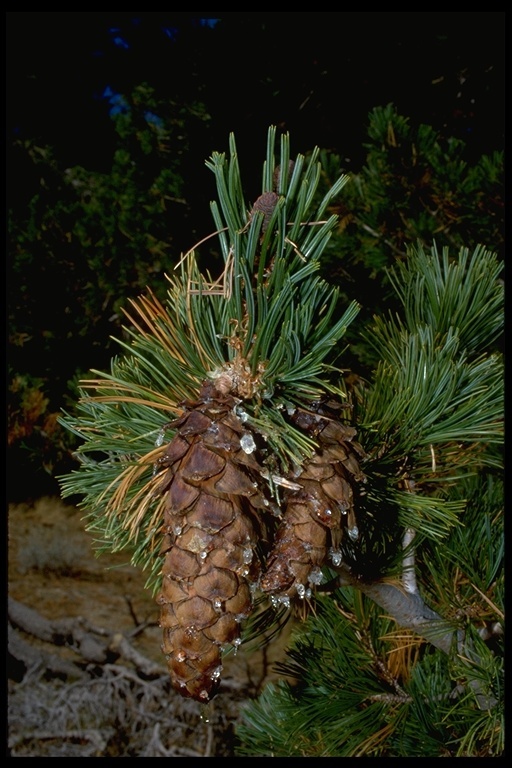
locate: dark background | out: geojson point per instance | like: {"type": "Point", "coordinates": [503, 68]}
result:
{"type": "Point", "coordinates": [314, 74]}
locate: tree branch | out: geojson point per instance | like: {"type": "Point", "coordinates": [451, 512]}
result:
{"type": "Point", "coordinates": [410, 611]}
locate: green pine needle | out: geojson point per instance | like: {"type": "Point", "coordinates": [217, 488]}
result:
{"type": "Point", "coordinates": [269, 322]}
{"type": "Point", "coordinates": [464, 294]}
{"type": "Point", "coordinates": [434, 384]}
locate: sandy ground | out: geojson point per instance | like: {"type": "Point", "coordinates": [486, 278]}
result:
{"type": "Point", "coordinates": [53, 568]}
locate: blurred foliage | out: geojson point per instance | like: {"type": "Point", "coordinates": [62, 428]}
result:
{"type": "Point", "coordinates": [415, 187]}
{"type": "Point", "coordinates": [81, 242]}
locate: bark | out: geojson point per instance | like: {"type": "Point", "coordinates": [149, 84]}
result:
{"type": "Point", "coordinates": [410, 611]}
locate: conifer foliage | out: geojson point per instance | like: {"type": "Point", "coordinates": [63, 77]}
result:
{"type": "Point", "coordinates": [229, 453]}
{"type": "Point", "coordinates": [245, 363]}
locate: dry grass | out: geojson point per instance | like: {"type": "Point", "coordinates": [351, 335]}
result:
{"type": "Point", "coordinates": [114, 713]}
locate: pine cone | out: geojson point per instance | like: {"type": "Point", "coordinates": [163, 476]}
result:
{"type": "Point", "coordinates": [211, 534]}
{"type": "Point", "coordinates": [315, 515]}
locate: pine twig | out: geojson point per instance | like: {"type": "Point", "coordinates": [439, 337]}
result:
{"type": "Point", "coordinates": [410, 611]}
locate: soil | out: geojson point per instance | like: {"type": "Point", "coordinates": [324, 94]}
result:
{"type": "Point", "coordinates": [53, 568]}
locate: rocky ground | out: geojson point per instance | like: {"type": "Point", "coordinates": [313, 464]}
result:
{"type": "Point", "coordinates": [86, 674]}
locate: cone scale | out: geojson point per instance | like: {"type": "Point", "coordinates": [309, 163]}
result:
{"type": "Point", "coordinates": [317, 515]}
{"type": "Point", "coordinates": [211, 531]}
{"type": "Point", "coordinates": [216, 517]}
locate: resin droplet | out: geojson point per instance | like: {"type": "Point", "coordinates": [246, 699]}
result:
{"type": "Point", "coordinates": [160, 438]}
{"type": "Point", "coordinates": [335, 556]}
{"type": "Point", "coordinates": [247, 443]}
{"type": "Point", "coordinates": [248, 555]}
{"type": "Point", "coordinates": [242, 415]}
{"type": "Point", "coordinates": [316, 576]}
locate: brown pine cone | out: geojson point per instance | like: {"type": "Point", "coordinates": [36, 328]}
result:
{"type": "Point", "coordinates": [315, 515]}
{"type": "Point", "coordinates": [211, 532]}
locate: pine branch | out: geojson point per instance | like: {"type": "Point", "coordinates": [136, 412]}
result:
{"type": "Point", "coordinates": [213, 439]}
{"type": "Point", "coordinates": [410, 611]}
